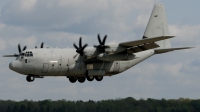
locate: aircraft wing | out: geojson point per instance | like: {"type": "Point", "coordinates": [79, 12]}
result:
{"type": "Point", "coordinates": [144, 41]}
{"type": "Point", "coordinates": [143, 44]}
{"type": "Point", "coordinates": [159, 51]}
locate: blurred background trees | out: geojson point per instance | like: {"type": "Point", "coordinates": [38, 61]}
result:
{"type": "Point", "coordinates": [118, 105]}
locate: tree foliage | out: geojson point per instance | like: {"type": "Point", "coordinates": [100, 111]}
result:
{"type": "Point", "coordinates": [118, 105]}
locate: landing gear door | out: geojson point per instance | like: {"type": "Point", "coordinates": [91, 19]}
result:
{"type": "Point", "coordinates": [116, 66]}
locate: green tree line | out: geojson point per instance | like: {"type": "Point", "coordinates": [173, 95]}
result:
{"type": "Point", "coordinates": [118, 105]}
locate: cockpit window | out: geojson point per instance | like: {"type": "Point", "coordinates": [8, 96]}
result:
{"type": "Point", "coordinates": [27, 54]}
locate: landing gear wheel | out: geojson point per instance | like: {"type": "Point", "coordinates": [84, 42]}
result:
{"type": "Point", "coordinates": [90, 78]}
{"type": "Point", "coordinates": [81, 79]}
{"type": "Point", "coordinates": [30, 78]}
{"type": "Point", "coordinates": [99, 78]}
{"type": "Point", "coordinates": [72, 79]}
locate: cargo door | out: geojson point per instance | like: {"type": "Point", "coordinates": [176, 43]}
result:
{"type": "Point", "coordinates": [45, 64]}
{"type": "Point", "coordinates": [45, 68]}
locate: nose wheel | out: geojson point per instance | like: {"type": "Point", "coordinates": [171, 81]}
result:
{"type": "Point", "coordinates": [30, 78]}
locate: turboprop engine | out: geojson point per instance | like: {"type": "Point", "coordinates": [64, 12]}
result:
{"type": "Point", "coordinates": [111, 48]}
{"type": "Point", "coordinates": [116, 57]}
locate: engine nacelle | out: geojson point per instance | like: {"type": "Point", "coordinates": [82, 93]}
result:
{"type": "Point", "coordinates": [114, 48]}
{"type": "Point", "coordinates": [91, 52]}
{"type": "Point", "coordinates": [116, 57]}
{"type": "Point", "coordinates": [78, 68]}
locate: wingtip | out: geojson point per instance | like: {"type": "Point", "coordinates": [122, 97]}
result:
{"type": "Point", "coordinates": [191, 47]}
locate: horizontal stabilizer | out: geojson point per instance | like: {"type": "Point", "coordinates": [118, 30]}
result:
{"type": "Point", "coordinates": [159, 51]}
{"type": "Point", "coordinates": [144, 41]}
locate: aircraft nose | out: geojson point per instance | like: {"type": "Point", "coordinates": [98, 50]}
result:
{"type": "Point", "coordinates": [15, 66]}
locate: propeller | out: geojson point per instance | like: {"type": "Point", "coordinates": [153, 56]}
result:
{"type": "Point", "coordinates": [19, 50]}
{"type": "Point", "coordinates": [81, 48]}
{"type": "Point", "coordinates": [41, 46]}
{"type": "Point", "coordinates": [101, 45]}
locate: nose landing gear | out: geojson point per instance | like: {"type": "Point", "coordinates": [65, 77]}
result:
{"type": "Point", "coordinates": [30, 78]}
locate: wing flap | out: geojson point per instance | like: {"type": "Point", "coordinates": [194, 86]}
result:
{"type": "Point", "coordinates": [144, 41]}
{"type": "Point", "coordinates": [160, 51]}
{"type": "Point", "coordinates": [142, 48]}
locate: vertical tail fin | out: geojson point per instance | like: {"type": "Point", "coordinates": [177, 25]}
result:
{"type": "Point", "coordinates": [157, 26]}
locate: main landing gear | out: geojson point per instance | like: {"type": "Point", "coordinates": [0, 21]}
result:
{"type": "Point", "coordinates": [82, 79]}
{"type": "Point", "coordinates": [31, 78]}
{"type": "Point", "coordinates": [90, 78]}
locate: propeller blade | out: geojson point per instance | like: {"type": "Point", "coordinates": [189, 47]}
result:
{"type": "Point", "coordinates": [101, 45]}
{"type": "Point", "coordinates": [99, 39]}
{"type": "Point", "coordinates": [84, 47]}
{"type": "Point", "coordinates": [80, 49]}
{"type": "Point", "coordinates": [24, 48]}
{"type": "Point", "coordinates": [75, 55]}
{"type": "Point", "coordinates": [75, 46]}
{"type": "Point", "coordinates": [104, 40]}
{"type": "Point", "coordinates": [16, 55]}
{"type": "Point", "coordinates": [10, 55]}
{"type": "Point", "coordinates": [19, 48]}
{"type": "Point", "coordinates": [42, 44]}
{"type": "Point", "coordinates": [80, 42]}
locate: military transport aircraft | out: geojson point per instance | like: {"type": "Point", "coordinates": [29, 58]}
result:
{"type": "Point", "coordinates": [98, 61]}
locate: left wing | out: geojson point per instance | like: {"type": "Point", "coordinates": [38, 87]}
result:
{"type": "Point", "coordinates": [160, 51]}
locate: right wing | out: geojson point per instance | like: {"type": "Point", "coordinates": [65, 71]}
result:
{"type": "Point", "coordinates": [144, 41]}
{"type": "Point", "coordinates": [143, 44]}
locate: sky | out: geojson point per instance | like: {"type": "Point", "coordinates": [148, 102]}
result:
{"type": "Point", "coordinates": [60, 23]}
